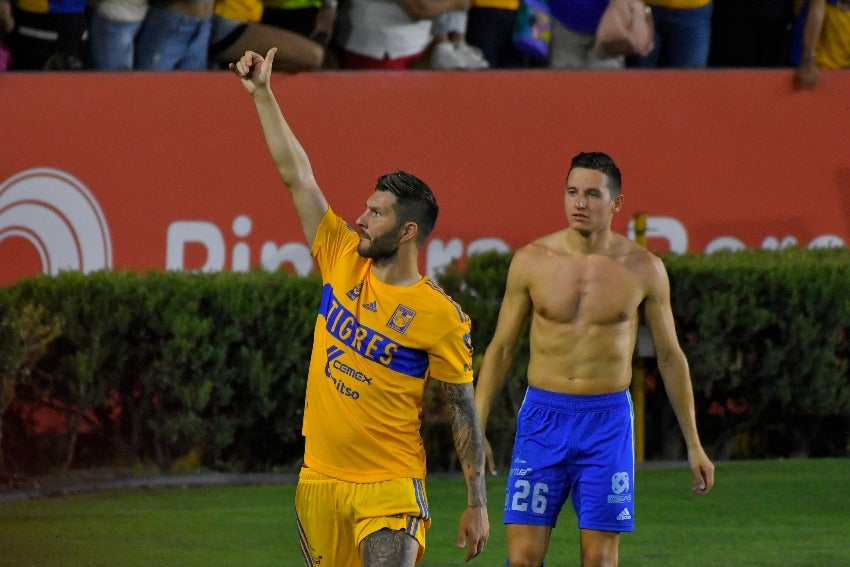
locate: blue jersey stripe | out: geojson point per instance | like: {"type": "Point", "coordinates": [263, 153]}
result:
{"type": "Point", "coordinates": [368, 343]}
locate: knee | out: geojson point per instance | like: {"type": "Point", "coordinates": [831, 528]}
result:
{"type": "Point", "coordinates": [526, 556]}
{"type": "Point", "coordinates": [598, 557]}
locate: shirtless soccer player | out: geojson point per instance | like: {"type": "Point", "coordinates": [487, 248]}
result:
{"type": "Point", "coordinates": [583, 287]}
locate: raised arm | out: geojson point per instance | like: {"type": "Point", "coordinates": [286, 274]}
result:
{"type": "Point", "coordinates": [499, 356]}
{"type": "Point", "coordinates": [290, 158]}
{"type": "Point", "coordinates": [469, 444]}
{"type": "Point", "coordinates": [675, 372]}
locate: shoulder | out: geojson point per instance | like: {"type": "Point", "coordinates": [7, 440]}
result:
{"type": "Point", "coordinates": [647, 266]}
{"type": "Point", "coordinates": [548, 245]}
{"type": "Point", "coordinates": [443, 302]}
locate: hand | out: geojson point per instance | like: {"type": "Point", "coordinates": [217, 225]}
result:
{"type": "Point", "coordinates": [253, 69]}
{"type": "Point", "coordinates": [807, 75]}
{"type": "Point", "coordinates": [474, 529]}
{"type": "Point", "coordinates": [489, 461]}
{"type": "Point", "coordinates": [703, 470]}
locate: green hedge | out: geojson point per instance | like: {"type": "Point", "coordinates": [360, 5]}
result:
{"type": "Point", "coordinates": [147, 368]}
{"type": "Point", "coordinates": [155, 365]}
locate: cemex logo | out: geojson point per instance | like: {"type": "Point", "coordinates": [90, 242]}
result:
{"type": "Point", "coordinates": [59, 217]}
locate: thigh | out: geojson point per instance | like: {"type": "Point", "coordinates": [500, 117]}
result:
{"type": "Point", "coordinates": [538, 481]}
{"type": "Point", "coordinates": [389, 518]}
{"type": "Point", "coordinates": [527, 545]}
{"type": "Point", "coordinates": [112, 43]}
{"type": "Point", "coordinates": [197, 48]}
{"type": "Point", "coordinates": [603, 471]}
{"type": "Point", "coordinates": [389, 548]}
{"type": "Point", "coordinates": [324, 534]}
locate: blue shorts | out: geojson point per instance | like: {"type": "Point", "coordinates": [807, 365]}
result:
{"type": "Point", "coordinates": [573, 445]}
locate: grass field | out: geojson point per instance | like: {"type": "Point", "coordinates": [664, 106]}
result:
{"type": "Point", "coordinates": [760, 513]}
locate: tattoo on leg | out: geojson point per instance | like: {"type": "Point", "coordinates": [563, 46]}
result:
{"type": "Point", "coordinates": [389, 548]}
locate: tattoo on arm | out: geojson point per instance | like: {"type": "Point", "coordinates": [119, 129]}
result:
{"type": "Point", "coordinates": [469, 442]}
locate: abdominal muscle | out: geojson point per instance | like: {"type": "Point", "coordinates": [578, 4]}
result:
{"type": "Point", "coordinates": [581, 359]}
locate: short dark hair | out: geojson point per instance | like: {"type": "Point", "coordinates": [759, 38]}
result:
{"type": "Point", "coordinates": [414, 201]}
{"type": "Point", "coordinates": [604, 163]}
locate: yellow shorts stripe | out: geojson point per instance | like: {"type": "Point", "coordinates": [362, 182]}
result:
{"type": "Point", "coordinates": [302, 538]}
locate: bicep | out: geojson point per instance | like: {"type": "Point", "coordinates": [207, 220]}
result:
{"type": "Point", "coordinates": [658, 313]}
{"type": "Point", "coordinates": [310, 205]}
{"type": "Point", "coordinates": [516, 305]}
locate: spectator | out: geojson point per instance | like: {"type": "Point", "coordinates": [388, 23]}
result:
{"type": "Point", "coordinates": [313, 19]}
{"type": "Point", "coordinates": [490, 29]}
{"type": "Point", "coordinates": [237, 29]}
{"type": "Point", "coordinates": [388, 34]}
{"type": "Point", "coordinates": [175, 35]}
{"type": "Point", "coordinates": [450, 50]}
{"type": "Point", "coordinates": [574, 24]}
{"type": "Point", "coordinates": [682, 35]}
{"type": "Point", "coordinates": [113, 28]}
{"type": "Point", "coordinates": [48, 35]}
{"type": "Point", "coordinates": [822, 39]}
{"type": "Point", "coordinates": [751, 33]}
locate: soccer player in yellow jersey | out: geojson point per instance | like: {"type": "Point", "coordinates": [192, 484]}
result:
{"type": "Point", "coordinates": [382, 332]}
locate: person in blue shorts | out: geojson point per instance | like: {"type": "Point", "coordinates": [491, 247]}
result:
{"type": "Point", "coordinates": [584, 288]}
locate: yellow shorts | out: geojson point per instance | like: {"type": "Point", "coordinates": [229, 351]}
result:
{"type": "Point", "coordinates": [334, 516]}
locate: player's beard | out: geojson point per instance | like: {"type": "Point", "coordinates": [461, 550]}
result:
{"type": "Point", "coordinates": [380, 248]}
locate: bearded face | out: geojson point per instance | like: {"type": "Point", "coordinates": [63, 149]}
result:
{"type": "Point", "coordinates": [379, 247]}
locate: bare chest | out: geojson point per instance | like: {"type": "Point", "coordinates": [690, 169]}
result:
{"type": "Point", "coordinates": [595, 290]}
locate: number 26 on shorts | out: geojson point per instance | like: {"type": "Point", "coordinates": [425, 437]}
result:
{"type": "Point", "coordinates": [525, 492]}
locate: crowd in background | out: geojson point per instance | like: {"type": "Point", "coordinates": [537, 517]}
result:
{"type": "Point", "coordinates": [411, 34]}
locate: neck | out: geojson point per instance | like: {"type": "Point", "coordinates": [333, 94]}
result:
{"type": "Point", "coordinates": [401, 270]}
{"type": "Point", "coordinates": [588, 243]}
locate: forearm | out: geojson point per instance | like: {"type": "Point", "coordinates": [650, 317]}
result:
{"type": "Point", "coordinates": [288, 155]}
{"type": "Point", "coordinates": [677, 383]}
{"type": "Point", "coordinates": [812, 30]}
{"type": "Point", "coordinates": [468, 440]}
{"type": "Point", "coordinates": [491, 379]}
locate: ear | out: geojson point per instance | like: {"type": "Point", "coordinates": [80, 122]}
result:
{"type": "Point", "coordinates": [408, 232]}
{"type": "Point", "coordinates": [618, 203]}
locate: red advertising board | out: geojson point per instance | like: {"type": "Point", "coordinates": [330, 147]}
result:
{"type": "Point", "coordinates": [139, 171]}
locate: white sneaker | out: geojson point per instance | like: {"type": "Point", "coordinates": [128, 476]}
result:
{"type": "Point", "coordinates": [445, 56]}
{"type": "Point", "coordinates": [472, 57]}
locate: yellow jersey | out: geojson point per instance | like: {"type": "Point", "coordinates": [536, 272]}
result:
{"type": "Point", "coordinates": [375, 346]}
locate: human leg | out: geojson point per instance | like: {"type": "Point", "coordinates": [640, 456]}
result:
{"type": "Point", "coordinates": [603, 473]}
{"type": "Point", "coordinates": [527, 544]}
{"type": "Point", "coordinates": [294, 51]}
{"type": "Point", "coordinates": [389, 548]}
{"type": "Point", "coordinates": [170, 40]}
{"type": "Point", "coordinates": [538, 481]}
{"type": "Point", "coordinates": [112, 43]}
{"type": "Point", "coordinates": [599, 548]}
{"type": "Point", "coordinates": [323, 532]}
{"type": "Point", "coordinates": [390, 519]}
